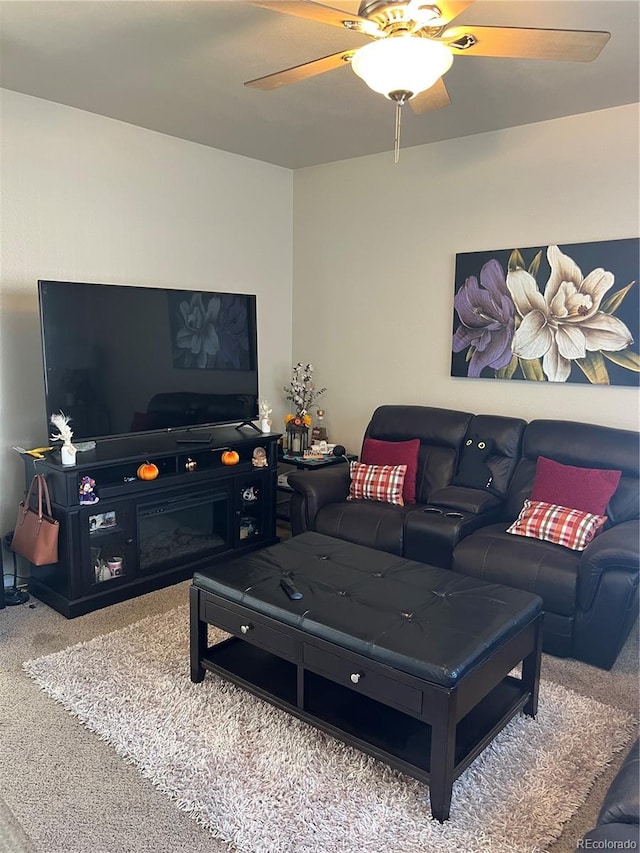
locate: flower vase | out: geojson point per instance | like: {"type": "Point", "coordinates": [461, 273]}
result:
{"type": "Point", "coordinates": [265, 425]}
{"type": "Point", "coordinates": [68, 454]}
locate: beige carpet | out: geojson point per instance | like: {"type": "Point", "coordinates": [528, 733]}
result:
{"type": "Point", "coordinates": [264, 781]}
{"type": "Point", "coordinates": [66, 791]}
{"type": "Point", "coordinates": [12, 837]}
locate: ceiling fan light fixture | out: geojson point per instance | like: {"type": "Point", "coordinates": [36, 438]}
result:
{"type": "Point", "coordinates": [424, 13]}
{"type": "Point", "coordinates": [403, 63]}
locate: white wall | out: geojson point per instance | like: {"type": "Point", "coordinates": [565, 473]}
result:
{"type": "Point", "coordinates": [86, 198]}
{"type": "Point", "coordinates": [374, 261]}
{"type": "Point", "coordinates": [83, 198]}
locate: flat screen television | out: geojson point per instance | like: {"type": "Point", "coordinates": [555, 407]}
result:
{"type": "Point", "coordinates": [121, 359]}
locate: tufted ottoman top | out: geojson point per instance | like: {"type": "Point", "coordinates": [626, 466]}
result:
{"type": "Point", "coordinates": [426, 621]}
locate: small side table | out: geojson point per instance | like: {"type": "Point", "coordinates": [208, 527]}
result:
{"type": "Point", "coordinates": [288, 464]}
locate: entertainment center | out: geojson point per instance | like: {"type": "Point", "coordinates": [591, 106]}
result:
{"type": "Point", "coordinates": [145, 534]}
{"type": "Point", "coordinates": [159, 387]}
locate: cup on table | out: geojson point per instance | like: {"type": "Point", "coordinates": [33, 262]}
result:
{"type": "Point", "coordinates": [115, 565]}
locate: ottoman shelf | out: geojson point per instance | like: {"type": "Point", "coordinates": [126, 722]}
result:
{"type": "Point", "coordinates": [255, 670]}
{"type": "Point", "coordinates": [389, 735]}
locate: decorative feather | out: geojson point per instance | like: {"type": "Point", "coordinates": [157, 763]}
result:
{"type": "Point", "coordinates": [65, 433]}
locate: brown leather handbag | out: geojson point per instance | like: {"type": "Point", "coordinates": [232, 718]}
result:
{"type": "Point", "coordinates": [36, 533]}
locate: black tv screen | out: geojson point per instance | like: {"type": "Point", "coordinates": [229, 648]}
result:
{"type": "Point", "coordinates": [120, 359]}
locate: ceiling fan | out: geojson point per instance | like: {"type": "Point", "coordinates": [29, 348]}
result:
{"type": "Point", "coordinates": [414, 44]}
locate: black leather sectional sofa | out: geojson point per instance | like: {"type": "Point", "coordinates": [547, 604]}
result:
{"type": "Point", "coordinates": [590, 597]}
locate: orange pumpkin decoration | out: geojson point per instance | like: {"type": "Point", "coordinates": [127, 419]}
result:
{"type": "Point", "coordinates": [230, 457]}
{"type": "Point", "coordinates": [147, 471]}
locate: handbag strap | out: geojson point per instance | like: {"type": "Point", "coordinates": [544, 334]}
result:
{"type": "Point", "coordinates": [43, 488]}
{"type": "Point", "coordinates": [41, 482]}
{"type": "Point", "coordinates": [27, 498]}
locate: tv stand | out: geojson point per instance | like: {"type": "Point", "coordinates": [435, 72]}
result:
{"type": "Point", "coordinates": [146, 534]}
{"type": "Point", "coordinates": [249, 424]}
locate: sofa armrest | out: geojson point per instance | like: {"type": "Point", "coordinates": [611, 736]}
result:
{"type": "Point", "coordinates": [464, 499]}
{"type": "Point", "coordinates": [607, 594]}
{"type": "Point", "coordinates": [313, 490]}
{"type": "Point", "coordinates": [617, 547]}
{"type": "Point", "coordinates": [611, 836]}
{"type": "Point", "coordinates": [622, 801]}
{"type": "Point", "coordinates": [619, 818]}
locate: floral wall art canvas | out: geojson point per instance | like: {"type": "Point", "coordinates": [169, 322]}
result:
{"type": "Point", "coordinates": [552, 313]}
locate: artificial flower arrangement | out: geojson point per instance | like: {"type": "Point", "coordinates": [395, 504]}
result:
{"type": "Point", "coordinates": [302, 392]}
{"type": "Point", "coordinates": [298, 420]}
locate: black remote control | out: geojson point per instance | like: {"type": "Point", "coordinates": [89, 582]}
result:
{"type": "Point", "coordinates": [290, 588]}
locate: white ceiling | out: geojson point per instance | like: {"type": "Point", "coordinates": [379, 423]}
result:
{"type": "Point", "coordinates": [179, 68]}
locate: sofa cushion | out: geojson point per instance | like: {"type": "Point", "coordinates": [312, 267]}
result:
{"type": "Point", "coordinates": [440, 432]}
{"type": "Point", "coordinates": [473, 471]}
{"type": "Point", "coordinates": [377, 483]}
{"type": "Point", "coordinates": [571, 528]}
{"type": "Point", "coordinates": [583, 445]}
{"type": "Point", "coordinates": [376, 452]}
{"type": "Point", "coordinates": [370, 523]}
{"type": "Point", "coordinates": [549, 570]}
{"type": "Point", "coordinates": [506, 435]}
{"type": "Point", "coordinates": [588, 489]}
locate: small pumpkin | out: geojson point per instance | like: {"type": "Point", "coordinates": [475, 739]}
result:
{"type": "Point", "coordinates": [230, 457]}
{"type": "Point", "coordinates": [147, 471]}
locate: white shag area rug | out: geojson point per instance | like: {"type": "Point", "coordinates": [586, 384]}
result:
{"type": "Point", "coordinates": [269, 783]}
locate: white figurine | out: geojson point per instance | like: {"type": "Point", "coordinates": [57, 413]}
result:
{"type": "Point", "coordinates": [265, 420]}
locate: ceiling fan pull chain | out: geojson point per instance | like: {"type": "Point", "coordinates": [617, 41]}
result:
{"type": "Point", "coordinates": [396, 149]}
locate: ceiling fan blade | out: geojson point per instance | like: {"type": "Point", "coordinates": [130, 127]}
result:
{"type": "Point", "coordinates": [450, 9]}
{"type": "Point", "coordinates": [433, 99]}
{"type": "Point", "coordinates": [301, 72]}
{"type": "Point", "coordinates": [516, 42]}
{"type": "Point", "coordinates": [313, 12]}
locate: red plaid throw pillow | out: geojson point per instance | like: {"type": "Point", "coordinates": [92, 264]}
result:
{"type": "Point", "coordinates": [377, 483]}
{"type": "Point", "coordinates": [375, 452]}
{"type": "Point", "coordinates": [572, 528]}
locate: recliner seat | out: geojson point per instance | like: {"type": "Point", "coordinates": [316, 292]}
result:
{"type": "Point", "coordinates": [590, 597]}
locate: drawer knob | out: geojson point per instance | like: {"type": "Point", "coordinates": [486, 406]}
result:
{"type": "Point", "coordinates": [355, 677]}
{"type": "Point", "coordinates": [245, 628]}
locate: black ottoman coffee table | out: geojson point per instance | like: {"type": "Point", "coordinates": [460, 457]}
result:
{"type": "Point", "coordinates": [408, 662]}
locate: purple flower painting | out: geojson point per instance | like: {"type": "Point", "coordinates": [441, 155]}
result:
{"type": "Point", "coordinates": [487, 319]}
{"type": "Point", "coordinates": [549, 314]}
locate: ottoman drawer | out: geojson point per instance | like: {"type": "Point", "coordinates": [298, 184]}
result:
{"type": "Point", "coordinates": [245, 627]}
{"type": "Point", "coordinates": [363, 679]}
